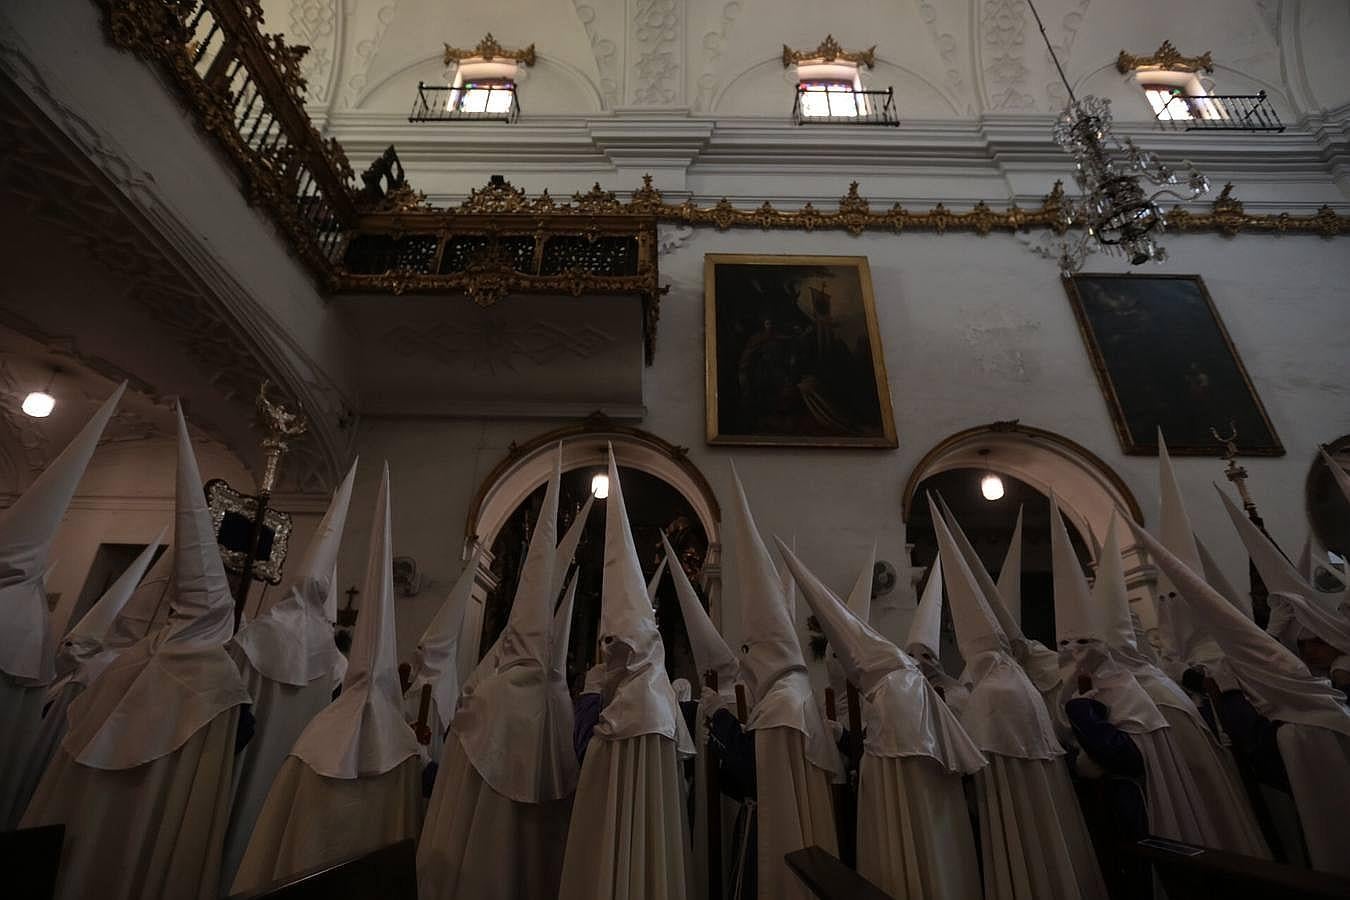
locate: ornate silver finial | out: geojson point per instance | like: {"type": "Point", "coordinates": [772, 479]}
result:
{"type": "Point", "coordinates": [282, 426]}
{"type": "Point", "coordinates": [1234, 472]}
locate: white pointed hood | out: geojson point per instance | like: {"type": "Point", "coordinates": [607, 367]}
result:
{"type": "Point", "coordinates": [562, 632]}
{"type": "Point", "coordinates": [977, 630]}
{"type": "Point", "coordinates": [637, 693]}
{"type": "Point", "coordinates": [363, 732]}
{"type": "Point", "coordinates": [1004, 713]}
{"type": "Point", "coordinates": [436, 659]}
{"type": "Point", "coordinates": [1213, 573]}
{"type": "Point", "coordinates": [903, 715]}
{"type": "Point", "coordinates": [1111, 599]}
{"type": "Point", "coordinates": [562, 616]}
{"type": "Point", "coordinates": [860, 598]}
{"type": "Point", "coordinates": [711, 652]}
{"type": "Point", "coordinates": [512, 715]}
{"type": "Point", "coordinates": [1193, 646]}
{"type": "Point", "coordinates": [292, 642]}
{"type": "Point", "coordinates": [1276, 681]}
{"type": "Point", "coordinates": [86, 637]}
{"type": "Point", "coordinates": [1342, 477]}
{"type": "Point", "coordinates": [1275, 569]}
{"type": "Point", "coordinates": [1010, 577]}
{"type": "Point", "coordinates": [654, 583]}
{"type": "Point", "coordinates": [83, 652]}
{"type": "Point", "coordinates": [771, 646]}
{"type": "Point", "coordinates": [790, 587]}
{"type": "Point", "coordinates": [772, 667]}
{"type": "Point", "coordinates": [163, 689]}
{"type": "Point", "coordinates": [27, 529]}
{"type": "Point", "coordinates": [925, 629]}
{"type": "Point", "coordinates": [1083, 641]}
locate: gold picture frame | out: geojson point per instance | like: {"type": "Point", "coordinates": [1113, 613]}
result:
{"type": "Point", "coordinates": [785, 338]}
{"type": "Point", "coordinates": [1164, 359]}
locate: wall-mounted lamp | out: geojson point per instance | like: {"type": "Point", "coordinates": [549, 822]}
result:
{"type": "Point", "coordinates": [600, 486]}
{"type": "Point", "coordinates": [991, 486]}
{"type": "Point", "coordinates": [39, 404]}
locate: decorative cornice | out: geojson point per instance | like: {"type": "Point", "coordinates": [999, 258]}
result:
{"type": "Point", "coordinates": [488, 49]}
{"type": "Point", "coordinates": [830, 51]}
{"type": "Point", "coordinates": [1165, 57]}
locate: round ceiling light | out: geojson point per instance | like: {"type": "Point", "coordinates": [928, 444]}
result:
{"type": "Point", "coordinates": [600, 486]}
{"type": "Point", "coordinates": [39, 404]}
{"type": "Point", "coordinates": [991, 486]}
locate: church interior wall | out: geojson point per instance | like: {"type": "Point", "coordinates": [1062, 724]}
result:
{"type": "Point", "coordinates": [974, 330]}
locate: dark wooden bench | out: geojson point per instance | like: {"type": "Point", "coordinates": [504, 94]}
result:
{"type": "Point", "coordinates": [1189, 872]}
{"type": "Point", "coordinates": [30, 859]}
{"type": "Point", "coordinates": [389, 873]}
{"type": "Point", "coordinates": [829, 879]}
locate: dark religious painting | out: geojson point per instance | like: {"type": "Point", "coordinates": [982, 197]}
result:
{"type": "Point", "coordinates": [793, 353]}
{"type": "Point", "coordinates": [1164, 360]}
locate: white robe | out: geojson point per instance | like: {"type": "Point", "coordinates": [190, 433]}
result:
{"type": "Point", "coordinates": [627, 837]}
{"type": "Point", "coordinates": [1214, 771]}
{"type": "Point", "coordinates": [1034, 840]}
{"type": "Point", "coordinates": [914, 837]}
{"type": "Point", "coordinates": [282, 711]}
{"type": "Point", "coordinates": [34, 744]}
{"type": "Point", "coordinates": [478, 843]}
{"type": "Point", "coordinates": [1177, 806]}
{"type": "Point", "coordinates": [794, 809]}
{"type": "Point", "coordinates": [1318, 763]}
{"type": "Point", "coordinates": [153, 831]}
{"type": "Point", "coordinates": [310, 820]}
{"type": "Point", "coordinates": [20, 718]}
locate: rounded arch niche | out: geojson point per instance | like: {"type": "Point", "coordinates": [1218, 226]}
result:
{"type": "Point", "coordinates": [1087, 489]}
{"type": "Point", "coordinates": [584, 445]}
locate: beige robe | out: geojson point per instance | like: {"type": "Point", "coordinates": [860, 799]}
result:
{"type": "Point", "coordinates": [150, 832]}
{"type": "Point", "coordinates": [1215, 773]}
{"type": "Point", "coordinates": [914, 837]}
{"type": "Point", "coordinates": [1318, 763]}
{"type": "Point", "coordinates": [282, 711]}
{"type": "Point", "coordinates": [309, 820]}
{"type": "Point", "coordinates": [794, 809]}
{"type": "Point", "coordinates": [627, 837]}
{"type": "Point", "coordinates": [478, 843]}
{"type": "Point", "coordinates": [1033, 838]}
{"type": "Point", "coordinates": [29, 740]}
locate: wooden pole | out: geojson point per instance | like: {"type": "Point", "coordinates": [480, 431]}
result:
{"type": "Point", "coordinates": [848, 838]}
{"type": "Point", "coordinates": [712, 806]}
{"type": "Point", "coordinates": [742, 707]}
{"type": "Point", "coordinates": [423, 713]}
{"type": "Point", "coordinates": [246, 576]}
{"type": "Point", "coordinates": [831, 712]}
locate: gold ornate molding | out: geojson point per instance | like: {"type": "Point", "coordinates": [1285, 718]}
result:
{"type": "Point", "coordinates": [830, 51]}
{"type": "Point", "coordinates": [1165, 57]}
{"type": "Point", "coordinates": [489, 49]}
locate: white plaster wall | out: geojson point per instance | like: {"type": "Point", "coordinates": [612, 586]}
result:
{"type": "Point", "coordinates": [974, 330]}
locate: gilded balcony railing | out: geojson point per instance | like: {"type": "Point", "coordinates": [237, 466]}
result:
{"type": "Point", "coordinates": [246, 90]}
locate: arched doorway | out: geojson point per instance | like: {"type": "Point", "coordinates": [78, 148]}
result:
{"type": "Point", "coordinates": [664, 491]}
{"type": "Point", "coordinates": [1031, 462]}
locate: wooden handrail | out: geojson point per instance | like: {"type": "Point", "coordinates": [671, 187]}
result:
{"type": "Point", "coordinates": [828, 878]}
{"type": "Point", "coordinates": [389, 873]}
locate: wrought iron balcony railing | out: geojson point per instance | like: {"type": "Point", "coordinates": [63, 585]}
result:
{"type": "Point", "coordinates": [1219, 112]}
{"type": "Point", "coordinates": [830, 104]}
{"type": "Point", "coordinates": [247, 92]}
{"type": "Point", "coordinates": [470, 102]}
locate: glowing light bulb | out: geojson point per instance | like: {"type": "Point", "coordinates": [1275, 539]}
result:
{"type": "Point", "coordinates": [39, 404]}
{"type": "Point", "coordinates": [991, 486]}
{"type": "Point", "coordinates": [600, 486]}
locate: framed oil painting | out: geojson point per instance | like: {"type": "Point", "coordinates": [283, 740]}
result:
{"type": "Point", "coordinates": [794, 356]}
{"type": "Point", "coordinates": [1164, 360]}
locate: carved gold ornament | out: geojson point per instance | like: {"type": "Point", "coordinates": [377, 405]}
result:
{"type": "Point", "coordinates": [488, 49]}
{"type": "Point", "coordinates": [1165, 57]}
{"type": "Point", "coordinates": [830, 51]}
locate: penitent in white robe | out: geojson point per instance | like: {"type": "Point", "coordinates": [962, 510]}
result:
{"type": "Point", "coordinates": [282, 712]}
{"type": "Point", "coordinates": [46, 741]}
{"type": "Point", "coordinates": [153, 832]}
{"type": "Point", "coordinates": [310, 820]}
{"type": "Point", "coordinates": [1215, 774]}
{"type": "Point", "coordinates": [20, 724]}
{"type": "Point", "coordinates": [1318, 762]}
{"type": "Point", "coordinates": [929, 853]}
{"type": "Point", "coordinates": [487, 846]}
{"type": "Point", "coordinates": [1029, 813]}
{"type": "Point", "coordinates": [794, 809]}
{"type": "Point", "coordinates": [1177, 808]}
{"type": "Point", "coordinates": [630, 839]}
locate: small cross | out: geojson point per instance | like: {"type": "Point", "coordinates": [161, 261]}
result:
{"type": "Point", "coordinates": [351, 595]}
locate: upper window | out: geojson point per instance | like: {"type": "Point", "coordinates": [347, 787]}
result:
{"type": "Point", "coordinates": [830, 88]}
{"type": "Point", "coordinates": [1181, 101]}
{"type": "Point", "coordinates": [481, 84]}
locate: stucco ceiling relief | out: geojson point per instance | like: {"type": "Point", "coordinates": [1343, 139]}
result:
{"type": "Point", "coordinates": [714, 46]}
{"type": "Point", "coordinates": [655, 76]}
{"type": "Point", "coordinates": [1003, 31]}
{"type": "Point", "coordinates": [603, 48]}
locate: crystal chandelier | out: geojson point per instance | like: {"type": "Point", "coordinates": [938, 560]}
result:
{"type": "Point", "coordinates": [1120, 184]}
